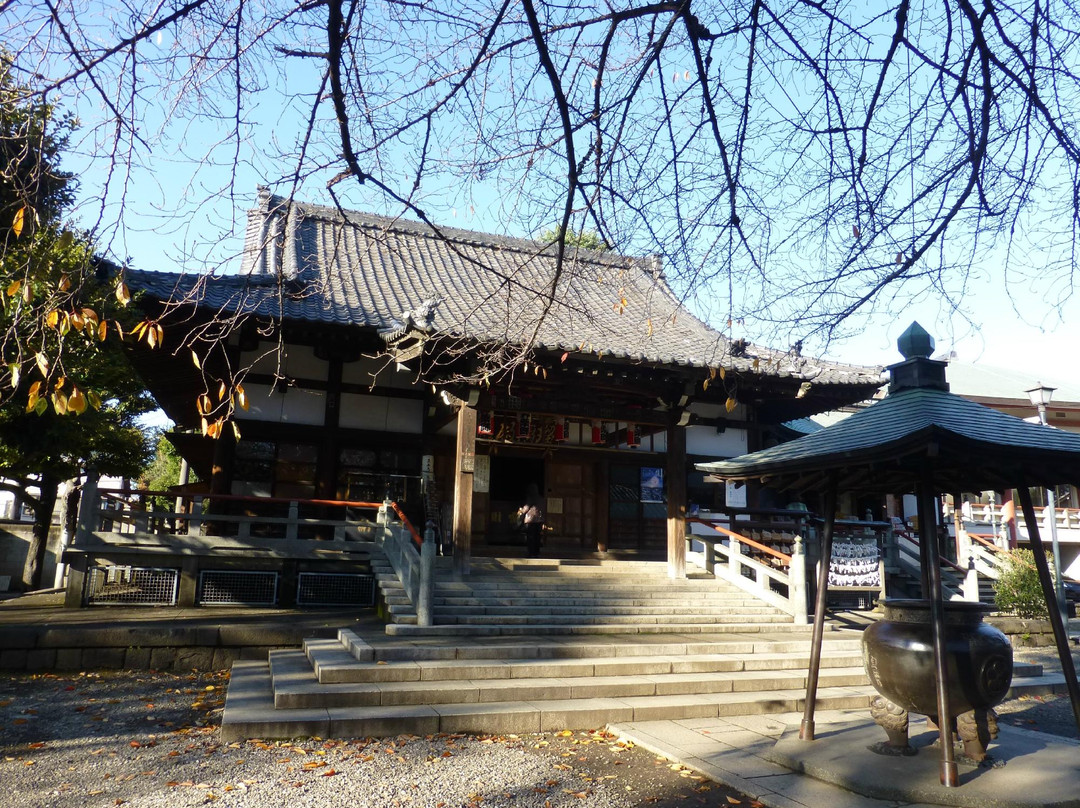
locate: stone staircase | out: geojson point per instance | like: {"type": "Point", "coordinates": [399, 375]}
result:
{"type": "Point", "coordinates": [534, 646]}
{"type": "Point", "coordinates": [509, 596]}
{"type": "Point", "coordinates": [350, 687]}
{"type": "Point", "coordinates": [378, 685]}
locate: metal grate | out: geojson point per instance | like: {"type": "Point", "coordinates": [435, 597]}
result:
{"type": "Point", "coordinates": [132, 586]}
{"type": "Point", "coordinates": [235, 587]}
{"type": "Point", "coordinates": [335, 589]}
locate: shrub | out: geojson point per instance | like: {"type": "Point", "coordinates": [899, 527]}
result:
{"type": "Point", "coordinates": [1018, 590]}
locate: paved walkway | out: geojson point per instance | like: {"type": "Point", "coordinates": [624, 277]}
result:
{"type": "Point", "coordinates": [762, 757]}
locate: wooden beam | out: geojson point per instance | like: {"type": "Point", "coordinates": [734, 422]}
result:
{"type": "Point", "coordinates": [676, 504]}
{"type": "Point", "coordinates": [464, 464]}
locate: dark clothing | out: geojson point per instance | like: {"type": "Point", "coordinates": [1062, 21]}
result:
{"type": "Point", "coordinates": [532, 538]}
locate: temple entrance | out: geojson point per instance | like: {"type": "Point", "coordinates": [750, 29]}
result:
{"type": "Point", "coordinates": [637, 509]}
{"type": "Point", "coordinates": [512, 481]}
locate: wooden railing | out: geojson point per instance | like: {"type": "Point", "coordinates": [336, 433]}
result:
{"type": "Point", "coordinates": [782, 585]}
{"type": "Point", "coordinates": [133, 511]}
{"type": "Point", "coordinates": [113, 521]}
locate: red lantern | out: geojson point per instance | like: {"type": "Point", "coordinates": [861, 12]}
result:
{"type": "Point", "coordinates": [597, 434]}
{"type": "Point", "coordinates": [562, 430]}
{"type": "Point", "coordinates": [632, 436]}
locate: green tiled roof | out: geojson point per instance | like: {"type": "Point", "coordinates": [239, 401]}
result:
{"type": "Point", "coordinates": [961, 445]}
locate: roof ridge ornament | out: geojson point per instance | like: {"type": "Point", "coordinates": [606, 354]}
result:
{"type": "Point", "coordinates": [916, 341]}
{"type": "Point", "coordinates": [918, 369]}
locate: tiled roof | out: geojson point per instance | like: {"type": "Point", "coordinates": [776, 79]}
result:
{"type": "Point", "coordinates": [360, 269]}
{"type": "Point", "coordinates": [965, 446]}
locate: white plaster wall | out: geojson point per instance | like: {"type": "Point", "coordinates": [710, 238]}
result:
{"type": "Point", "coordinates": [703, 440]}
{"type": "Point", "coordinates": [378, 372]}
{"type": "Point", "coordinates": [296, 406]}
{"type": "Point", "coordinates": [297, 361]}
{"type": "Point", "coordinates": [382, 413]}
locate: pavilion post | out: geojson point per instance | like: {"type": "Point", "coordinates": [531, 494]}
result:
{"type": "Point", "coordinates": [806, 730]}
{"type": "Point", "coordinates": [929, 556]}
{"type": "Point", "coordinates": [1061, 638]}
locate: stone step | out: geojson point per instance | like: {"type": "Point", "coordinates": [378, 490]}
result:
{"type": "Point", "coordinates": [295, 684]}
{"type": "Point", "coordinates": [603, 598]}
{"type": "Point", "coordinates": [400, 629]}
{"type": "Point", "coordinates": [330, 662]}
{"type": "Point", "coordinates": [604, 618]}
{"type": "Point", "coordinates": [562, 584]}
{"type": "Point", "coordinates": [778, 641]}
{"type": "Point", "coordinates": [585, 607]}
{"type": "Point", "coordinates": [250, 711]}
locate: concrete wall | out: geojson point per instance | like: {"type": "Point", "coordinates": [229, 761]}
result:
{"type": "Point", "coordinates": [14, 544]}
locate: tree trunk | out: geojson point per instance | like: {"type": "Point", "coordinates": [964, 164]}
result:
{"type": "Point", "coordinates": [35, 555]}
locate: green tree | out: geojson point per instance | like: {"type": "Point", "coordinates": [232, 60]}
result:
{"type": "Point", "coordinates": [68, 397]}
{"type": "Point", "coordinates": [1018, 590]}
{"type": "Point", "coordinates": [585, 239]}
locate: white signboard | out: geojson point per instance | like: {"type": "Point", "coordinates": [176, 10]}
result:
{"type": "Point", "coordinates": [481, 481]}
{"type": "Point", "coordinates": [736, 496]}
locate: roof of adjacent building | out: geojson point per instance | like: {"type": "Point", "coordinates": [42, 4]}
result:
{"type": "Point", "coordinates": [317, 264]}
{"type": "Point", "coordinates": [916, 434]}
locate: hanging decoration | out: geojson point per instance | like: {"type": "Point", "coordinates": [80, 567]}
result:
{"type": "Point", "coordinates": [524, 425]}
{"type": "Point", "coordinates": [597, 434]}
{"type": "Point", "coordinates": [562, 430]}
{"type": "Point", "coordinates": [633, 436]}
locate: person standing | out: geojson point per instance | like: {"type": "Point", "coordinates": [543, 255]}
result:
{"type": "Point", "coordinates": [532, 517]}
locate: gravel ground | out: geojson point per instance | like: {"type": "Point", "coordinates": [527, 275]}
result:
{"type": "Point", "coordinates": [1050, 714]}
{"type": "Point", "coordinates": [151, 739]}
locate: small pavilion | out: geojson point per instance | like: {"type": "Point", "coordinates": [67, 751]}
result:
{"type": "Point", "coordinates": [920, 438]}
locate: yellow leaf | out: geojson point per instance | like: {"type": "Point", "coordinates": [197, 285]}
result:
{"type": "Point", "coordinates": [648, 326]}
{"type": "Point", "coordinates": [757, 362]}
{"type": "Point", "coordinates": [122, 293]}
{"type": "Point", "coordinates": [195, 360]}
{"type": "Point", "coordinates": [712, 373]}
{"type": "Point", "coordinates": [730, 404]}
{"type": "Point", "coordinates": [31, 403]}
{"type": "Point", "coordinates": [89, 315]}
{"type": "Point", "coordinates": [76, 403]}
{"type": "Point", "coordinates": [76, 320]}
{"type": "Point", "coordinates": [160, 334]}
{"type": "Point", "coordinates": [241, 397]}
{"type": "Point", "coordinates": [723, 373]}
{"type": "Point", "coordinates": [65, 283]}
{"type": "Point", "coordinates": [222, 390]}
{"type": "Point", "coordinates": [119, 329]}
{"type": "Point", "coordinates": [42, 363]}
{"type": "Point", "coordinates": [28, 294]}
{"type": "Point", "coordinates": [94, 399]}
{"type": "Point", "coordinates": [203, 404]}
{"type": "Point", "coordinates": [151, 337]}
{"type": "Point", "coordinates": [15, 369]}
{"type": "Point", "coordinates": [20, 220]}
{"type": "Point", "coordinates": [102, 330]}
{"type": "Point", "coordinates": [705, 384]}
{"type": "Point", "coordinates": [235, 429]}
{"type": "Point", "coordinates": [205, 426]}
{"type": "Point", "coordinates": [52, 318]}
{"type": "Point", "coordinates": [13, 288]}
{"type": "Point", "coordinates": [59, 402]}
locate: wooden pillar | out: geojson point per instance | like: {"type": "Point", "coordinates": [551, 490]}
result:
{"type": "Point", "coordinates": [603, 505]}
{"type": "Point", "coordinates": [464, 464]}
{"type": "Point", "coordinates": [326, 469]}
{"type": "Point", "coordinates": [676, 500]}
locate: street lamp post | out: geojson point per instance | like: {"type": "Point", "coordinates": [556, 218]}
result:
{"type": "Point", "coordinates": [1040, 396]}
